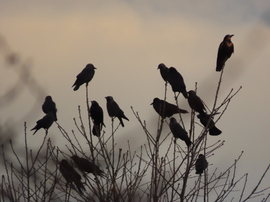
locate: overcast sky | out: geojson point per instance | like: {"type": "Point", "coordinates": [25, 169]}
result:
{"type": "Point", "coordinates": [126, 40]}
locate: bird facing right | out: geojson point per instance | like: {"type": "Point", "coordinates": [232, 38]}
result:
{"type": "Point", "coordinates": [114, 110]}
{"type": "Point", "coordinates": [225, 51]}
{"type": "Point", "coordinates": [85, 76]}
{"type": "Point", "coordinates": [206, 120]}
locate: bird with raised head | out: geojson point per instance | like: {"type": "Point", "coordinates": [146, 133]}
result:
{"type": "Point", "coordinates": [225, 50]}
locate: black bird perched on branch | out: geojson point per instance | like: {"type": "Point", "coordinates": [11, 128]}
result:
{"type": "Point", "coordinates": [225, 51]}
{"type": "Point", "coordinates": [179, 132]}
{"type": "Point", "coordinates": [49, 106]}
{"type": "Point", "coordinates": [204, 119]}
{"type": "Point", "coordinates": [71, 175]}
{"type": "Point", "coordinates": [176, 80]}
{"type": "Point", "coordinates": [85, 76]}
{"type": "Point", "coordinates": [45, 122]}
{"type": "Point", "coordinates": [201, 164]}
{"type": "Point", "coordinates": [164, 71]}
{"type": "Point", "coordinates": [165, 109]}
{"type": "Point", "coordinates": [114, 110]}
{"type": "Point", "coordinates": [96, 113]}
{"type": "Point", "coordinates": [195, 102]}
{"type": "Point", "coordinates": [84, 165]}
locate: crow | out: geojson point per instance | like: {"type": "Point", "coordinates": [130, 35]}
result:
{"type": "Point", "coordinates": [195, 102]}
{"type": "Point", "coordinates": [96, 113]}
{"type": "Point", "coordinates": [165, 109]}
{"type": "Point", "coordinates": [71, 175]}
{"type": "Point", "coordinates": [179, 132]}
{"type": "Point", "coordinates": [204, 119]}
{"type": "Point", "coordinates": [176, 81]}
{"type": "Point", "coordinates": [201, 164]}
{"type": "Point", "coordinates": [85, 76]}
{"type": "Point", "coordinates": [114, 110]}
{"type": "Point", "coordinates": [225, 51]}
{"type": "Point", "coordinates": [163, 71]}
{"type": "Point", "coordinates": [49, 106]}
{"type": "Point", "coordinates": [45, 122]}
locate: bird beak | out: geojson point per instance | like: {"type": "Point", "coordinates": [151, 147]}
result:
{"type": "Point", "coordinates": [151, 103]}
{"type": "Point", "coordinates": [232, 35]}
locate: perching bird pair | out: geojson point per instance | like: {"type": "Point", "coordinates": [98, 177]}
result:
{"type": "Point", "coordinates": [165, 109]}
{"type": "Point", "coordinates": [206, 120]}
{"type": "Point", "coordinates": [174, 78]}
{"type": "Point", "coordinates": [49, 108]}
{"type": "Point", "coordinates": [72, 176]}
{"type": "Point", "coordinates": [96, 114]}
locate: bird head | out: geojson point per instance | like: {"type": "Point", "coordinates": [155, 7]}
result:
{"type": "Point", "coordinates": [64, 162]}
{"type": "Point", "coordinates": [228, 37]}
{"type": "Point", "coordinates": [154, 101]}
{"type": "Point", "coordinates": [90, 66]}
{"type": "Point", "coordinates": [161, 66]}
{"type": "Point", "coordinates": [191, 92]}
{"type": "Point", "coordinates": [94, 102]}
{"type": "Point", "coordinates": [109, 98]}
{"type": "Point", "coordinates": [48, 98]}
{"type": "Point", "coordinates": [172, 120]}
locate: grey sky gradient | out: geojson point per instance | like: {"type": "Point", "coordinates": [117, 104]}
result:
{"type": "Point", "coordinates": [126, 40]}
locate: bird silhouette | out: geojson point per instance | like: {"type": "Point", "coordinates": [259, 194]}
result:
{"type": "Point", "coordinates": [49, 106]}
{"type": "Point", "coordinates": [165, 109]}
{"type": "Point", "coordinates": [195, 102]}
{"type": "Point", "coordinates": [201, 164]}
{"type": "Point", "coordinates": [164, 71]}
{"type": "Point", "coordinates": [204, 119]}
{"type": "Point", "coordinates": [71, 176]}
{"type": "Point", "coordinates": [96, 113]}
{"type": "Point", "coordinates": [84, 165]}
{"type": "Point", "coordinates": [176, 81]}
{"type": "Point", "coordinates": [45, 122]}
{"type": "Point", "coordinates": [179, 132]}
{"type": "Point", "coordinates": [85, 76]}
{"type": "Point", "coordinates": [114, 110]}
{"type": "Point", "coordinates": [225, 51]}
